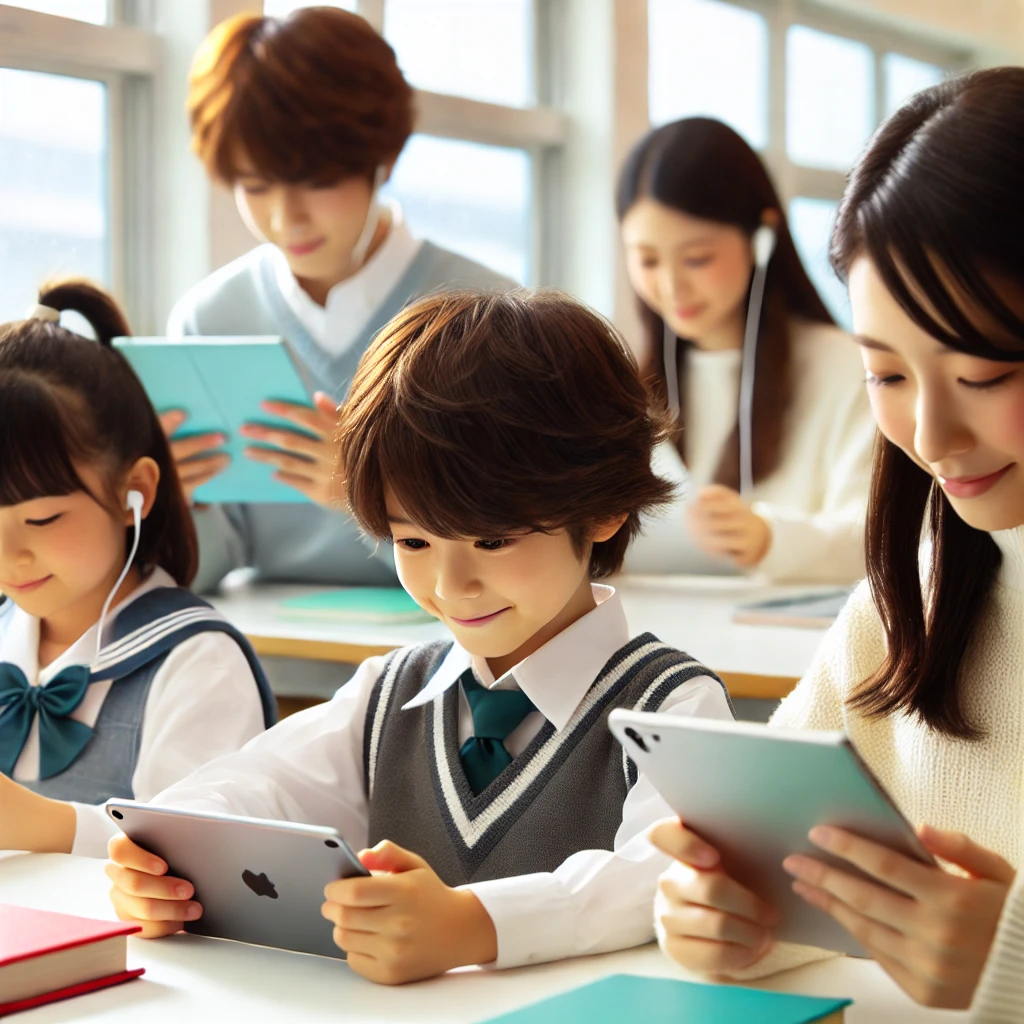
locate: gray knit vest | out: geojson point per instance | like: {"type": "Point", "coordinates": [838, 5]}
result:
{"type": "Point", "coordinates": [562, 794]}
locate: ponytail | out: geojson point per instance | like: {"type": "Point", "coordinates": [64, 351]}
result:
{"type": "Point", "coordinates": [66, 401]}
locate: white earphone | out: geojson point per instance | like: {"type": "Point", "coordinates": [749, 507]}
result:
{"type": "Point", "coordinates": [763, 242]}
{"type": "Point", "coordinates": [134, 502]}
{"type": "Point", "coordinates": [373, 215]}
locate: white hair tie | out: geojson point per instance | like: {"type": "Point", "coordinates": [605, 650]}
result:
{"type": "Point", "coordinates": [47, 313]}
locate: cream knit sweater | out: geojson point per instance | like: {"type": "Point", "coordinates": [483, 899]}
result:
{"type": "Point", "coordinates": [814, 501]}
{"type": "Point", "coordinates": [976, 788]}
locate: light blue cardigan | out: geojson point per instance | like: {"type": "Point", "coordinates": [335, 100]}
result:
{"type": "Point", "coordinates": [301, 542]}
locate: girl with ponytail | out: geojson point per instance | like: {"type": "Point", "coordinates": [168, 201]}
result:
{"type": "Point", "coordinates": [114, 679]}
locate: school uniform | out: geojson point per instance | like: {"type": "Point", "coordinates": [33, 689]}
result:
{"type": "Point", "coordinates": [553, 843]}
{"type": "Point", "coordinates": [173, 686]}
{"type": "Point", "coordinates": [815, 499]}
{"type": "Point", "coordinates": [258, 294]}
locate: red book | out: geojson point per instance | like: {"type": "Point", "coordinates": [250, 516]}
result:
{"type": "Point", "coordinates": [46, 956]}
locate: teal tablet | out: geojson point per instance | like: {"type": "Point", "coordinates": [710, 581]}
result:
{"type": "Point", "coordinates": [220, 383]}
{"type": "Point", "coordinates": [368, 606]}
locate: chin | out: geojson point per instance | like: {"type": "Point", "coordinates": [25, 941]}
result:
{"type": "Point", "coordinates": [991, 516]}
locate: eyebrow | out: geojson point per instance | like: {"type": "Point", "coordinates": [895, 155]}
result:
{"type": "Point", "coordinates": [879, 346]}
{"type": "Point", "coordinates": [692, 244]}
{"type": "Point", "coordinates": [400, 521]}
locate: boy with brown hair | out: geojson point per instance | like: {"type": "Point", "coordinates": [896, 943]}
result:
{"type": "Point", "coordinates": [502, 444]}
{"type": "Point", "coordinates": [303, 118]}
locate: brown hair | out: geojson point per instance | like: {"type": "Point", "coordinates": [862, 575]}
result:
{"type": "Point", "coordinates": [934, 204]}
{"type": "Point", "coordinates": [311, 99]}
{"type": "Point", "coordinates": [703, 168]}
{"type": "Point", "coordinates": [66, 401]}
{"type": "Point", "coordinates": [490, 414]}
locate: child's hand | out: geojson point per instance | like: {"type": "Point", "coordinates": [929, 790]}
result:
{"type": "Point", "coordinates": [195, 458]}
{"type": "Point", "coordinates": [705, 920]}
{"type": "Point", "coordinates": [722, 523]}
{"type": "Point", "coordinates": [404, 923]}
{"type": "Point", "coordinates": [933, 934]}
{"type": "Point", "coordinates": [303, 462]}
{"type": "Point", "coordinates": [143, 893]}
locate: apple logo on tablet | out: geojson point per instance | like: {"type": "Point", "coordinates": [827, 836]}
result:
{"type": "Point", "coordinates": [260, 884]}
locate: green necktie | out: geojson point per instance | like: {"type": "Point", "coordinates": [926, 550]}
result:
{"type": "Point", "coordinates": [496, 714]}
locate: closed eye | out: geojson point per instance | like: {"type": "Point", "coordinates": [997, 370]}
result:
{"type": "Point", "coordinates": [412, 543]}
{"type": "Point", "coordinates": [984, 385]}
{"type": "Point", "coordinates": [883, 382]}
{"type": "Point", "coordinates": [494, 545]}
{"type": "Point", "coordinates": [44, 522]}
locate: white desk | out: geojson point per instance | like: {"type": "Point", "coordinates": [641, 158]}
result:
{"type": "Point", "coordinates": [195, 980]}
{"type": "Point", "coordinates": [692, 613]}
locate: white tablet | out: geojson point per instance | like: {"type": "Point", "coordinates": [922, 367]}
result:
{"type": "Point", "coordinates": [754, 792]}
{"type": "Point", "coordinates": [258, 881]}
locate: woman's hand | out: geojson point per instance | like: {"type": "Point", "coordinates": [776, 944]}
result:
{"type": "Point", "coordinates": [706, 920]}
{"type": "Point", "coordinates": [195, 458]}
{"type": "Point", "coordinates": [722, 523]}
{"type": "Point", "coordinates": [144, 894]}
{"type": "Point", "coordinates": [306, 457]}
{"type": "Point", "coordinates": [934, 932]}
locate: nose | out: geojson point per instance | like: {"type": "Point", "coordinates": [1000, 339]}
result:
{"type": "Point", "coordinates": [456, 579]}
{"type": "Point", "coordinates": [287, 209]}
{"type": "Point", "coordinates": [940, 432]}
{"type": "Point", "coordinates": [676, 286]}
{"type": "Point", "coordinates": [12, 549]}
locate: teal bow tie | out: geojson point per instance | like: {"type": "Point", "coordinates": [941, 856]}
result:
{"type": "Point", "coordinates": [61, 739]}
{"type": "Point", "coordinates": [496, 714]}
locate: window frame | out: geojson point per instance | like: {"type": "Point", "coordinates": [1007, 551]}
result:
{"type": "Point", "coordinates": [540, 129]}
{"type": "Point", "coordinates": [127, 60]}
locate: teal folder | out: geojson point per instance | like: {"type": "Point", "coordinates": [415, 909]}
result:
{"type": "Point", "coordinates": [627, 998]}
{"type": "Point", "coordinates": [358, 605]}
{"type": "Point", "coordinates": [219, 383]}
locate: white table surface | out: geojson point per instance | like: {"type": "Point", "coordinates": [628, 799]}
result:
{"type": "Point", "coordinates": [191, 979]}
{"type": "Point", "coordinates": [693, 613]}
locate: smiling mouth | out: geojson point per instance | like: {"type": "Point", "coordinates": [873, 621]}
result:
{"type": "Point", "coordinates": [481, 620]}
{"type": "Point", "coordinates": [972, 486]}
{"type": "Point", "coordinates": [25, 588]}
{"type": "Point", "coordinates": [306, 248]}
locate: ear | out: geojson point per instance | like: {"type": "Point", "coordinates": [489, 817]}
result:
{"type": "Point", "coordinates": [144, 477]}
{"type": "Point", "coordinates": [771, 217]}
{"type": "Point", "coordinates": [607, 529]}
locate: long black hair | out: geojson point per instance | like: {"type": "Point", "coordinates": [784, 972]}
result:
{"type": "Point", "coordinates": [935, 204]}
{"type": "Point", "coordinates": [703, 168]}
{"type": "Point", "coordinates": [67, 401]}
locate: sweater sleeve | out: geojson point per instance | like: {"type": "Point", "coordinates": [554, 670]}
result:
{"type": "Point", "coordinates": [1000, 993]}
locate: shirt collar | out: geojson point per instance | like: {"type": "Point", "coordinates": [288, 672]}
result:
{"type": "Point", "coordinates": [19, 642]}
{"type": "Point", "coordinates": [557, 676]}
{"type": "Point", "coordinates": [352, 302]}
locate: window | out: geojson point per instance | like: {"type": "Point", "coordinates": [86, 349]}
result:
{"type": "Point", "coordinates": [468, 197]}
{"type": "Point", "coordinates": [95, 11]}
{"type": "Point", "coordinates": [830, 98]}
{"type": "Point", "coordinates": [54, 170]}
{"type": "Point", "coordinates": [282, 8]}
{"type": "Point", "coordinates": [804, 85]}
{"type": "Point", "coordinates": [691, 73]}
{"type": "Point", "coordinates": [482, 49]}
{"type": "Point", "coordinates": [904, 76]}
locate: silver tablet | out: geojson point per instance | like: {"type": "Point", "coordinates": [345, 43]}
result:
{"type": "Point", "coordinates": [754, 792]}
{"type": "Point", "coordinates": [258, 881]}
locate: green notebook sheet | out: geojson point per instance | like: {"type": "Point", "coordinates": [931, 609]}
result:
{"type": "Point", "coordinates": [358, 605]}
{"type": "Point", "coordinates": [219, 383]}
{"type": "Point", "coordinates": [625, 998]}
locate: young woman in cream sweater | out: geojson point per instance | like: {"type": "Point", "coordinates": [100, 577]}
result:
{"type": "Point", "coordinates": [691, 197]}
{"type": "Point", "coordinates": [925, 667]}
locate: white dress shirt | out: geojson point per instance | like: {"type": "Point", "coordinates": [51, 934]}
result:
{"type": "Point", "coordinates": [309, 768]}
{"type": "Point", "coordinates": [202, 702]}
{"type": "Point", "coordinates": [353, 302]}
